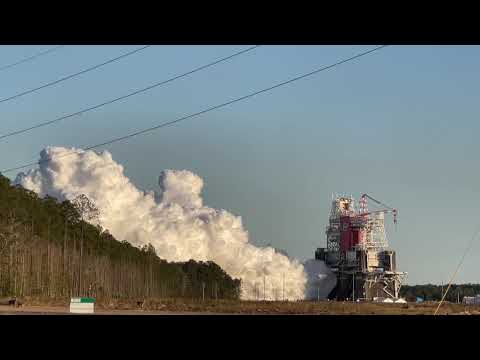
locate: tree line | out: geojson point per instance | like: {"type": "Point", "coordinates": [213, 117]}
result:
{"type": "Point", "coordinates": [430, 292]}
{"type": "Point", "coordinates": [50, 249]}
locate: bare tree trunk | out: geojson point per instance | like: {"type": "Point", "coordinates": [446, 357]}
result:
{"type": "Point", "coordinates": [74, 267]}
{"type": "Point", "coordinates": [48, 260]}
{"type": "Point", "coordinates": [14, 272]}
{"type": "Point", "coordinates": [81, 260]}
{"type": "Point", "coordinates": [23, 274]}
{"type": "Point", "coordinates": [65, 265]}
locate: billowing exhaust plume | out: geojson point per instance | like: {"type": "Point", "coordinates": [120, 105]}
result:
{"type": "Point", "coordinates": [320, 280]}
{"type": "Point", "coordinates": [174, 220]}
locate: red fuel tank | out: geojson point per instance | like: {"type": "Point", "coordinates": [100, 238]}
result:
{"type": "Point", "coordinates": [346, 238]}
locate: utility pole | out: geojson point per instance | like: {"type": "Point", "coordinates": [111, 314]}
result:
{"type": "Point", "coordinates": [318, 293]}
{"type": "Point", "coordinates": [203, 291]}
{"type": "Point", "coordinates": [353, 287]}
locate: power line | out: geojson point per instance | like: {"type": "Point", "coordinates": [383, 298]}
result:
{"type": "Point", "coordinates": [45, 52]}
{"type": "Point", "coordinates": [73, 75]}
{"type": "Point", "coordinates": [203, 111]}
{"type": "Point", "coordinates": [469, 246]}
{"type": "Point", "coordinates": [17, 132]}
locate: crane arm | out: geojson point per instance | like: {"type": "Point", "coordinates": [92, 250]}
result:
{"type": "Point", "coordinates": [378, 211]}
{"type": "Point", "coordinates": [377, 201]}
{"type": "Point", "coordinates": [394, 211]}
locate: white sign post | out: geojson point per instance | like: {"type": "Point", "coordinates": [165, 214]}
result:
{"type": "Point", "coordinates": [82, 305]}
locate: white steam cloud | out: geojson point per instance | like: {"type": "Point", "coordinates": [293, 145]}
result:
{"type": "Point", "coordinates": [320, 279]}
{"type": "Point", "coordinates": [174, 220]}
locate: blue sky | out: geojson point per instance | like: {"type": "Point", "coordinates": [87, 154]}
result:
{"type": "Point", "coordinates": [399, 124]}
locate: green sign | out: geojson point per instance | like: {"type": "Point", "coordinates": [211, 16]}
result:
{"type": "Point", "coordinates": [83, 300]}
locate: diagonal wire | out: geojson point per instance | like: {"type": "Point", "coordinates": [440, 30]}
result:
{"type": "Point", "coordinates": [20, 94]}
{"type": "Point", "coordinates": [203, 111]}
{"type": "Point", "coordinates": [45, 52]}
{"type": "Point", "coordinates": [16, 132]}
{"type": "Point", "coordinates": [469, 246]}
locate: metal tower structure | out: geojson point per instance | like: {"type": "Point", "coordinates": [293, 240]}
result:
{"type": "Point", "coordinates": [357, 251]}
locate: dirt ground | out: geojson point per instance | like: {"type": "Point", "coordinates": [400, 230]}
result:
{"type": "Point", "coordinates": [56, 310]}
{"type": "Point", "coordinates": [187, 307]}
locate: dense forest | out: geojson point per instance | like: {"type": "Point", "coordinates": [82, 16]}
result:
{"type": "Point", "coordinates": [49, 248]}
{"type": "Point", "coordinates": [431, 292]}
